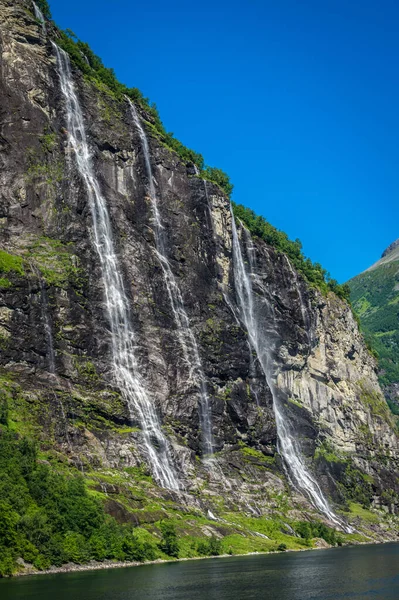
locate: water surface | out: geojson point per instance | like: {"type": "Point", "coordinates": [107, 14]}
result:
{"type": "Point", "coordinates": [357, 573]}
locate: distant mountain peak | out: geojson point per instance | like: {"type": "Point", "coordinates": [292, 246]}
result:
{"type": "Point", "coordinates": [391, 254]}
{"type": "Point", "coordinates": [390, 248]}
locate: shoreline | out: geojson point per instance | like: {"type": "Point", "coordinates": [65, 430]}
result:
{"type": "Point", "coordinates": [99, 566]}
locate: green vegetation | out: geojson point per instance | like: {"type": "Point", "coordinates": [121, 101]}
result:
{"type": "Point", "coordinates": [94, 70]}
{"type": "Point", "coordinates": [374, 400]}
{"type": "Point", "coordinates": [356, 486]}
{"type": "Point", "coordinates": [51, 514]}
{"type": "Point", "coordinates": [275, 528]}
{"type": "Point", "coordinates": [50, 173]}
{"type": "Point", "coordinates": [210, 547]}
{"type": "Point", "coordinates": [48, 518]}
{"type": "Point", "coordinates": [353, 484]}
{"type": "Point", "coordinates": [313, 272]}
{"type": "Point", "coordinates": [248, 451]}
{"type": "Point", "coordinates": [328, 453]}
{"type": "Point", "coordinates": [296, 402]}
{"type": "Point", "coordinates": [48, 141]}
{"type": "Point", "coordinates": [44, 7]}
{"type": "Point", "coordinates": [169, 543]}
{"type": "Point", "coordinates": [357, 510]}
{"type": "Point", "coordinates": [54, 260]}
{"type": "Point", "coordinates": [86, 370]}
{"type": "Point", "coordinates": [308, 530]}
{"type": "Point", "coordinates": [5, 283]}
{"type": "Point", "coordinates": [105, 79]}
{"type": "Point", "coordinates": [218, 176]}
{"type": "Point", "coordinates": [9, 263]}
{"type": "Point", "coordinates": [375, 298]}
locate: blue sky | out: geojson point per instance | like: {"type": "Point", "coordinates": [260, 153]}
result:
{"type": "Point", "coordinates": [297, 100]}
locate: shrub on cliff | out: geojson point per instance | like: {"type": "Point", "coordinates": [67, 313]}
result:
{"type": "Point", "coordinates": [169, 543]}
{"type": "Point", "coordinates": [220, 177]}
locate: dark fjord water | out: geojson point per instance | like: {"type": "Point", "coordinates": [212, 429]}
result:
{"type": "Point", "coordinates": [358, 573]}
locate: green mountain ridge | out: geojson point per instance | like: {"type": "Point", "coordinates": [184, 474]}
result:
{"type": "Point", "coordinates": [375, 298]}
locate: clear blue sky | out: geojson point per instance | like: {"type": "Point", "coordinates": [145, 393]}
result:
{"type": "Point", "coordinates": [297, 100]}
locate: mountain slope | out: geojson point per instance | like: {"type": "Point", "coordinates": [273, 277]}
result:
{"type": "Point", "coordinates": [375, 297]}
{"type": "Point", "coordinates": [77, 473]}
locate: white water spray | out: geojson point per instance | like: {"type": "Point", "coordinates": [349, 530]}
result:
{"type": "Point", "coordinates": [184, 332]}
{"type": "Point", "coordinates": [213, 517]}
{"type": "Point", "coordinates": [125, 366]}
{"type": "Point", "coordinates": [264, 347]}
{"type": "Point", "coordinates": [39, 16]}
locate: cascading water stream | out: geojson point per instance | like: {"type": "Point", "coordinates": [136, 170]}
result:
{"type": "Point", "coordinates": [263, 346]}
{"type": "Point", "coordinates": [185, 334]}
{"type": "Point", "coordinates": [208, 201]}
{"type": "Point", "coordinates": [39, 16]}
{"type": "Point", "coordinates": [125, 366]}
{"type": "Point", "coordinates": [50, 352]}
{"type": "Point", "coordinates": [304, 308]}
{"type": "Point", "coordinates": [47, 328]}
{"type": "Point", "coordinates": [44, 309]}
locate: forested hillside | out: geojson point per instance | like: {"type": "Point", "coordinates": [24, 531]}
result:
{"type": "Point", "coordinates": [375, 297]}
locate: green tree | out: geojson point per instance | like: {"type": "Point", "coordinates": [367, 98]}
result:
{"type": "Point", "coordinates": [210, 547]}
{"type": "Point", "coordinates": [282, 547]}
{"type": "Point", "coordinates": [215, 546]}
{"type": "Point", "coordinates": [169, 543]}
{"type": "Point", "coordinates": [8, 524]}
{"type": "Point", "coordinates": [3, 411]}
{"type": "Point", "coordinates": [98, 546]}
{"type": "Point", "coordinates": [48, 517]}
{"type": "Point", "coordinates": [75, 547]}
{"type": "Point", "coordinates": [7, 562]}
{"type": "Point", "coordinates": [220, 177]}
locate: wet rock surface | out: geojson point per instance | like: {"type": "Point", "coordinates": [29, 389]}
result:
{"type": "Point", "coordinates": [324, 371]}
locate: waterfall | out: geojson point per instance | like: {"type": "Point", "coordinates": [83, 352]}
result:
{"type": "Point", "coordinates": [209, 206]}
{"type": "Point", "coordinates": [264, 346]}
{"type": "Point", "coordinates": [208, 202]}
{"type": "Point", "coordinates": [184, 332]}
{"type": "Point", "coordinates": [39, 16]}
{"type": "Point", "coordinates": [307, 324]}
{"type": "Point", "coordinates": [47, 328]}
{"type": "Point", "coordinates": [50, 353]}
{"type": "Point", "coordinates": [125, 366]}
{"type": "Point", "coordinates": [44, 310]}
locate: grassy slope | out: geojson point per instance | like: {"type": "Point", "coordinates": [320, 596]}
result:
{"type": "Point", "coordinates": [51, 512]}
{"type": "Point", "coordinates": [375, 297]}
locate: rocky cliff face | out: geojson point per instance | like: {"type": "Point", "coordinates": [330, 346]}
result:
{"type": "Point", "coordinates": [391, 248]}
{"type": "Point", "coordinates": [56, 363]}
